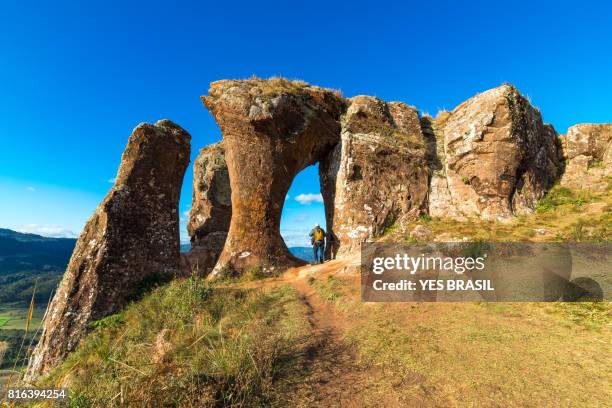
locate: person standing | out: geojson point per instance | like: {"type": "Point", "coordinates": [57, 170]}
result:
{"type": "Point", "coordinates": [331, 245]}
{"type": "Point", "coordinates": [317, 239]}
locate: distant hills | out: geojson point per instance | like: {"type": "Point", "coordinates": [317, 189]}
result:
{"type": "Point", "coordinates": [19, 251]}
{"type": "Point", "coordinates": [29, 258]}
{"type": "Point", "coordinates": [25, 258]}
{"type": "Point", "coordinates": [304, 253]}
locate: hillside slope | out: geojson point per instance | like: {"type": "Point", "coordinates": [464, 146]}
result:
{"type": "Point", "coordinates": [306, 339]}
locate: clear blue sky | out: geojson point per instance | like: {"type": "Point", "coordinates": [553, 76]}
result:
{"type": "Point", "coordinates": [76, 77]}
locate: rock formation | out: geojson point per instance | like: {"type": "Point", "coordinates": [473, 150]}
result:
{"type": "Point", "coordinates": [377, 175]}
{"type": "Point", "coordinates": [380, 165]}
{"type": "Point", "coordinates": [211, 210]}
{"type": "Point", "coordinates": [587, 149]}
{"type": "Point", "coordinates": [272, 129]}
{"type": "Point", "coordinates": [497, 158]}
{"type": "Point", "coordinates": [131, 241]}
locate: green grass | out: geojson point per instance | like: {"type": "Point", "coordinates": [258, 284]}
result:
{"type": "Point", "coordinates": [477, 354]}
{"type": "Point", "coordinates": [597, 229]}
{"type": "Point", "coordinates": [390, 229]}
{"type": "Point", "coordinates": [590, 315]}
{"type": "Point", "coordinates": [229, 276]}
{"type": "Point", "coordinates": [191, 344]}
{"type": "Point", "coordinates": [328, 288]}
{"type": "Point", "coordinates": [15, 317]}
{"type": "Point", "coordinates": [561, 196]}
{"type": "Point", "coordinates": [563, 214]}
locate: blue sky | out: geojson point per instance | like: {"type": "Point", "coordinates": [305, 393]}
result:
{"type": "Point", "coordinates": [76, 77]}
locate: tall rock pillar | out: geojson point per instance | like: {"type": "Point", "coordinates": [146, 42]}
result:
{"type": "Point", "coordinates": [131, 241]}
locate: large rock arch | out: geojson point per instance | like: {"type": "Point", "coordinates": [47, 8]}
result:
{"type": "Point", "coordinates": [272, 129]}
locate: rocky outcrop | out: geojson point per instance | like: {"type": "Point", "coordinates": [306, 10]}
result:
{"type": "Point", "coordinates": [131, 241]}
{"type": "Point", "coordinates": [272, 129]}
{"type": "Point", "coordinates": [497, 158]}
{"type": "Point", "coordinates": [211, 210]}
{"type": "Point", "coordinates": [587, 149]}
{"type": "Point", "coordinates": [377, 175]}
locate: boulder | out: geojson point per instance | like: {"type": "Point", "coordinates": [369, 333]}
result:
{"type": "Point", "coordinates": [587, 149]}
{"type": "Point", "coordinates": [377, 175]}
{"type": "Point", "coordinates": [497, 158]}
{"type": "Point", "coordinates": [129, 243]}
{"type": "Point", "coordinates": [272, 129]}
{"type": "Point", "coordinates": [211, 210]}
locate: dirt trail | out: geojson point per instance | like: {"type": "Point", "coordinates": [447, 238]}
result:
{"type": "Point", "coordinates": [332, 377]}
{"type": "Point", "coordinates": [329, 376]}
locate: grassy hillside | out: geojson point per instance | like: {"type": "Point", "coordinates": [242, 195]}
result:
{"type": "Point", "coordinates": [562, 215]}
{"type": "Point", "coordinates": [29, 258]}
{"type": "Point", "coordinates": [306, 338]}
{"type": "Point", "coordinates": [190, 344]}
{"type": "Point", "coordinates": [22, 252]}
{"type": "Point", "coordinates": [476, 354]}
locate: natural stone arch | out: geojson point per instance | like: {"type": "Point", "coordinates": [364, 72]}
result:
{"type": "Point", "coordinates": [373, 164]}
{"type": "Point", "coordinates": [302, 209]}
{"type": "Point", "coordinates": [272, 129]}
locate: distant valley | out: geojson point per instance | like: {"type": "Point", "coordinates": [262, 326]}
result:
{"type": "Point", "coordinates": [27, 258]}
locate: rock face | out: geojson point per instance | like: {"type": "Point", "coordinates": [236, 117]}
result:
{"type": "Point", "coordinates": [497, 158]}
{"type": "Point", "coordinates": [211, 210]}
{"type": "Point", "coordinates": [587, 149]}
{"type": "Point", "coordinates": [131, 241]}
{"type": "Point", "coordinates": [377, 175]}
{"type": "Point", "coordinates": [271, 130]}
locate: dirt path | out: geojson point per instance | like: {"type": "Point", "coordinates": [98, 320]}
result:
{"type": "Point", "coordinates": [329, 375]}
{"type": "Point", "coordinates": [332, 378]}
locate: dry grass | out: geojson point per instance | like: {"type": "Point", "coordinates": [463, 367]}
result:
{"type": "Point", "coordinates": [562, 215]}
{"type": "Point", "coordinates": [478, 354]}
{"type": "Point", "coordinates": [189, 344]}
{"type": "Point", "coordinates": [274, 86]}
{"type": "Point", "coordinates": [3, 348]}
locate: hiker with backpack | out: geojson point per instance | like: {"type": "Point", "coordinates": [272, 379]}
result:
{"type": "Point", "coordinates": [317, 239]}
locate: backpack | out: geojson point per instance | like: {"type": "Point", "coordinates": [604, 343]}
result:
{"type": "Point", "coordinates": [318, 234]}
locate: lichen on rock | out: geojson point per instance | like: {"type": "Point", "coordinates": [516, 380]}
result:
{"type": "Point", "coordinates": [130, 242]}
{"type": "Point", "coordinates": [587, 149]}
{"type": "Point", "coordinates": [211, 210]}
{"type": "Point", "coordinates": [377, 175]}
{"type": "Point", "coordinates": [498, 158]}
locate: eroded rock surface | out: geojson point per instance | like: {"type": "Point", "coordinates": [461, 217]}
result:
{"type": "Point", "coordinates": [377, 175]}
{"type": "Point", "coordinates": [211, 210]}
{"type": "Point", "coordinates": [587, 149]}
{"type": "Point", "coordinates": [497, 158]}
{"type": "Point", "coordinates": [271, 130]}
{"type": "Point", "coordinates": [131, 241]}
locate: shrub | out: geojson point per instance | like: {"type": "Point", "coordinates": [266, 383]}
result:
{"type": "Point", "coordinates": [562, 196]}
